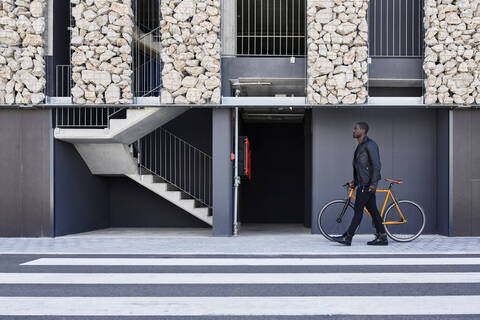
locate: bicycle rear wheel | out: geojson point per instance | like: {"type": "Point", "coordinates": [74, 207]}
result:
{"type": "Point", "coordinates": [404, 231]}
{"type": "Point", "coordinates": [330, 220]}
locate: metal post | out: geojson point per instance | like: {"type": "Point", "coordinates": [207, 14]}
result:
{"type": "Point", "coordinates": [236, 179]}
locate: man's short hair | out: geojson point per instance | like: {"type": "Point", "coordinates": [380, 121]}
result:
{"type": "Point", "coordinates": [363, 125]}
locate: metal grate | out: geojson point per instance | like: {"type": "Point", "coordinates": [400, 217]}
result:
{"type": "Point", "coordinates": [147, 64]}
{"type": "Point", "coordinates": [86, 117]}
{"type": "Point", "coordinates": [271, 27]}
{"type": "Point", "coordinates": [63, 80]}
{"type": "Point", "coordinates": [396, 28]}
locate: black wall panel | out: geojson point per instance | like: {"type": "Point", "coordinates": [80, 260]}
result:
{"type": "Point", "coordinates": [25, 173]}
{"type": "Point", "coordinates": [408, 150]}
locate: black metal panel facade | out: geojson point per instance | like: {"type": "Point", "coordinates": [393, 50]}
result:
{"type": "Point", "coordinates": [466, 173]}
{"type": "Point", "coordinates": [408, 150]}
{"type": "Point", "coordinates": [25, 173]}
{"type": "Point", "coordinates": [81, 199]}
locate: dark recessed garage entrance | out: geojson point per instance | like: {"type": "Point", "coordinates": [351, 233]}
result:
{"type": "Point", "coordinates": [276, 192]}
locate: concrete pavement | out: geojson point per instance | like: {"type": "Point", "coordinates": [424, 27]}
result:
{"type": "Point", "coordinates": [252, 240]}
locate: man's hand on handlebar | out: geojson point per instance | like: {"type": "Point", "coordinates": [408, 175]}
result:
{"type": "Point", "coordinates": [350, 184]}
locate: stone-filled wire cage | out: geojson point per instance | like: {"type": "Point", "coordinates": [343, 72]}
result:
{"type": "Point", "coordinates": [271, 28]}
{"type": "Point", "coordinates": [108, 19]}
{"type": "Point", "coordinates": [147, 62]}
{"type": "Point", "coordinates": [22, 50]}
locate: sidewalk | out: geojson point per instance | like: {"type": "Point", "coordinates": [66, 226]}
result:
{"type": "Point", "coordinates": [252, 240]}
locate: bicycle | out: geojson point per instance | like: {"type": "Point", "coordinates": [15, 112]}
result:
{"type": "Point", "coordinates": [404, 220]}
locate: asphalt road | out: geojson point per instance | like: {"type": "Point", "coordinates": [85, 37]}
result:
{"type": "Point", "coordinates": [376, 286]}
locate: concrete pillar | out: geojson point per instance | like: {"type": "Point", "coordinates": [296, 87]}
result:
{"type": "Point", "coordinates": [222, 173]}
{"type": "Point", "coordinates": [229, 28]}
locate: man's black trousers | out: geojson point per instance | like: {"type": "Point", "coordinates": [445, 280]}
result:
{"type": "Point", "coordinates": [365, 198]}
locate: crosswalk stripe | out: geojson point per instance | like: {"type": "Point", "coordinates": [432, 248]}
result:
{"type": "Point", "coordinates": [237, 278]}
{"type": "Point", "coordinates": [238, 306]}
{"type": "Point", "coordinates": [251, 261]}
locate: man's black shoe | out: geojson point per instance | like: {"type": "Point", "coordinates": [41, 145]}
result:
{"type": "Point", "coordinates": [344, 239]}
{"type": "Point", "coordinates": [380, 240]}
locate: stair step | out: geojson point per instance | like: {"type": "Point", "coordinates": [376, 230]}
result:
{"type": "Point", "coordinates": [157, 179]}
{"type": "Point", "coordinates": [147, 178]}
{"type": "Point", "coordinates": [153, 183]}
{"type": "Point", "coordinates": [175, 194]}
{"type": "Point", "coordinates": [204, 211]}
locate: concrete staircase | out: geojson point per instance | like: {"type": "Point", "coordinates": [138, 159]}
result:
{"type": "Point", "coordinates": [107, 152]}
{"type": "Point", "coordinates": [170, 193]}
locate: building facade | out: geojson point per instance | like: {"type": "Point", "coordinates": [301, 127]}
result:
{"type": "Point", "coordinates": [129, 113]}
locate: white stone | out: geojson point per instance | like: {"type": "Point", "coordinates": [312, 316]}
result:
{"type": "Point", "coordinates": [31, 82]}
{"type": "Point", "coordinates": [97, 77]}
{"type": "Point", "coordinates": [77, 92]}
{"type": "Point", "coordinates": [346, 28]}
{"type": "Point", "coordinates": [194, 95]}
{"type": "Point", "coordinates": [172, 80]}
{"type": "Point", "coordinates": [166, 97]}
{"type": "Point", "coordinates": [112, 94]}
{"type": "Point", "coordinates": [212, 83]}
{"type": "Point", "coordinates": [78, 58]}
{"type": "Point", "coordinates": [37, 98]}
{"type": "Point", "coordinates": [36, 9]}
{"type": "Point", "coordinates": [9, 37]}
{"type": "Point", "coordinates": [120, 8]}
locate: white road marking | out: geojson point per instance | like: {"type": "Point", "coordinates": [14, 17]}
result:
{"type": "Point", "coordinates": [252, 261]}
{"type": "Point", "coordinates": [233, 306]}
{"type": "Point", "coordinates": [238, 278]}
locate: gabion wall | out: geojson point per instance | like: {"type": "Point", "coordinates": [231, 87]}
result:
{"type": "Point", "coordinates": [337, 51]}
{"type": "Point", "coordinates": [102, 51]}
{"type": "Point", "coordinates": [452, 52]}
{"type": "Point", "coordinates": [190, 51]}
{"type": "Point", "coordinates": [22, 64]}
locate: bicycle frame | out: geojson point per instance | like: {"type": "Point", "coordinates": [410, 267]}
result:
{"type": "Point", "coordinates": [389, 195]}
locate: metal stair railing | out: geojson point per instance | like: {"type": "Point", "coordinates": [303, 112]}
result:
{"type": "Point", "coordinates": [85, 117]}
{"type": "Point", "coordinates": [177, 163]}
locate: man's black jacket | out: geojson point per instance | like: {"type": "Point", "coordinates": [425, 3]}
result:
{"type": "Point", "coordinates": [366, 163]}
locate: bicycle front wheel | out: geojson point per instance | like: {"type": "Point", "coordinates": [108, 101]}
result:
{"type": "Point", "coordinates": [408, 229]}
{"type": "Point", "coordinates": [334, 218]}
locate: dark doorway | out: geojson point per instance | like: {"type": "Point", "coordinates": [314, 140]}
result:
{"type": "Point", "coordinates": [276, 193]}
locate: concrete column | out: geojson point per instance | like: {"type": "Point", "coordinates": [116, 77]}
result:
{"type": "Point", "coordinates": [229, 28]}
{"type": "Point", "coordinates": [222, 173]}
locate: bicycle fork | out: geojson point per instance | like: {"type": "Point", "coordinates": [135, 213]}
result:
{"type": "Point", "coordinates": [340, 217]}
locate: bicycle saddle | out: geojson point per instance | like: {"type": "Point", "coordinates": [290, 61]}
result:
{"type": "Point", "coordinates": [394, 181]}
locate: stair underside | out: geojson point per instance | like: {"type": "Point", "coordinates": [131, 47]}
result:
{"type": "Point", "coordinates": [139, 123]}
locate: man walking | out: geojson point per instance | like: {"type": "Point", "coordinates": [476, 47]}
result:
{"type": "Point", "coordinates": [366, 174]}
